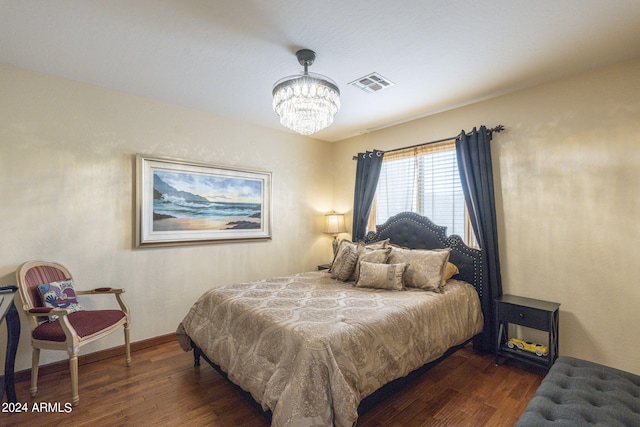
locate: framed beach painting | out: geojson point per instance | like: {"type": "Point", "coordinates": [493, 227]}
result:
{"type": "Point", "coordinates": [182, 202]}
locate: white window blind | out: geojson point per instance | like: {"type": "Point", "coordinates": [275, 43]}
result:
{"type": "Point", "coordinates": [424, 180]}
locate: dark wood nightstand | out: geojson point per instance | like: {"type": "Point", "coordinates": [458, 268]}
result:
{"type": "Point", "coordinates": [324, 266]}
{"type": "Point", "coordinates": [531, 313]}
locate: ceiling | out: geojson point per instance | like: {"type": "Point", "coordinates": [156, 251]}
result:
{"type": "Point", "coordinates": [224, 56]}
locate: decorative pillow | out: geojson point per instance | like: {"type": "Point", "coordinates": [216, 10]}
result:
{"type": "Point", "coordinates": [378, 245]}
{"type": "Point", "coordinates": [426, 267]}
{"type": "Point", "coordinates": [345, 260]}
{"type": "Point", "coordinates": [59, 295]}
{"type": "Point", "coordinates": [369, 254]}
{"type": "Point", "coordinates": [450, 270]}
{"type": "Point", "coordinates": [381, 276]}
{"type": "Point", "coordinates": [341, 246]}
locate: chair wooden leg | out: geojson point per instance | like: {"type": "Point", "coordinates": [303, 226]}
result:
{"type": "Point", "coordinates": [35, 363]}
{"type": "Point", "coordinates": [73, 367]}
{"type": "Point", "coordinates": [127, 344]}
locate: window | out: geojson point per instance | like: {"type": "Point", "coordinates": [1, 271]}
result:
{"type": "Point", "coordinates": [424, 180]}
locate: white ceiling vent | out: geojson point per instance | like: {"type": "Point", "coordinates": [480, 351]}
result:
{"type": "Point", "coordinates": [373, 82]}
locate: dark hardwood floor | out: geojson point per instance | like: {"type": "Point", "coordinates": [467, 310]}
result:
{"type": "Point", "coordinates": [161, 387]}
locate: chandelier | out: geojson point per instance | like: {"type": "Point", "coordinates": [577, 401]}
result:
{"type": "Point", "coordinates": [306, 102]}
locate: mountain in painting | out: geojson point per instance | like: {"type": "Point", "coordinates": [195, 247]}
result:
{"type": "Point", "coordinates": [161, 188]}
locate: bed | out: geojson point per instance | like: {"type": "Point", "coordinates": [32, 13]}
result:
{"type": "Point", "coordinates": [309, 348]}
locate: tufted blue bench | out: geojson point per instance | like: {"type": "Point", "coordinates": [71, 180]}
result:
{"type": "Point", "coordinates": [579, 393]}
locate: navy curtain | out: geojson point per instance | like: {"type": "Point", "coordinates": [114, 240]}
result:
{"type": "Point", "coordinates": [473, 151]}
{"type": "Point", "coordinates": [367, 174]}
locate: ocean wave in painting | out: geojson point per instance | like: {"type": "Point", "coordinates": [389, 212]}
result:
{"type": "Point", "coordinates": [188, 210]}
{"type": "Point", "coordinates": [180, 208]}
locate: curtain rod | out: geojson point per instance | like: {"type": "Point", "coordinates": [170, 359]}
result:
{"type": "Point", "coordinates": [496, 129]}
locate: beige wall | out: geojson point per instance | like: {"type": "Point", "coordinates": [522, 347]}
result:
{"type": "Point", "coordinates": [67, 165]}
{"type": "Point", "coordinates": [568, 184]}
{"type": "Point", "coordinates": [567, 176]}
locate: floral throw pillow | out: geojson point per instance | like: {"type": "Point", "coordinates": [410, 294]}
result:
{"type": "Point", "coordinates": [59, 295]}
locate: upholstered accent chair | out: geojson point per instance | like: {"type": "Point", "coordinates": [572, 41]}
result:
{"type": "Point", "coordinates": [57, 324]}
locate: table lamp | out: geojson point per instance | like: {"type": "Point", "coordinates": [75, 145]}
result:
{"type": "Point", "coordinates": [334, 224]}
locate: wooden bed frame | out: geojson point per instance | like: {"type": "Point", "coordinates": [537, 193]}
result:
{"type": "Point", "coordinates": [413, 231]}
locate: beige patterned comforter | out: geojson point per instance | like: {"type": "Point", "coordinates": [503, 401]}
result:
{"type": "Point", "coordinates": [310, 348]}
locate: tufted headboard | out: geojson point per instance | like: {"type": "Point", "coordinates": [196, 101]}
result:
{"type": "Point", "coordinates": [410, 230]}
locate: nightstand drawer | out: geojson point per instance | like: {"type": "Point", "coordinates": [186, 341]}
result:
{"type": "Point", "coordinates": [525, 316]}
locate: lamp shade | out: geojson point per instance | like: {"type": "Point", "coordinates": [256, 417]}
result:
{"type": "Point", "coordinates": [334, 223]}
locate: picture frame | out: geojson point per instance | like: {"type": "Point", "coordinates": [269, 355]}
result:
{"type": "Point", "coordinates": [180, 202]}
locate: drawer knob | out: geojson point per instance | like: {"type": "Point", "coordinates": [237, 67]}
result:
{"type": "Point", "coordinates": [521, 315]}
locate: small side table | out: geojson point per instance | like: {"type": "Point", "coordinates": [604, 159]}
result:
{"type": "Point", "coordinates": [324, 266]}
{"type": "Point", "coordinates": [531, 313]}
{"type": "Point", "coordinates": [9, 313]}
